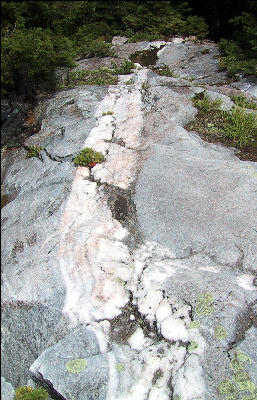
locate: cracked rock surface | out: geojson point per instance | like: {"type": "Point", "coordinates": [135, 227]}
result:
{"type": "Point", "coordinates": [134, 279]}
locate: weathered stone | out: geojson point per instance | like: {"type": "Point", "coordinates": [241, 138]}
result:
{"type": "Point", "coordinates": [133, 278]}
{"type": "Point", "coordinates": [119, 40]}
{"type": "Point", "coordinates": [7, 391]}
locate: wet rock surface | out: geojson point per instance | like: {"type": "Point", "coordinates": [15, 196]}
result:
{"type": "Point", "coordinates": [134, 278]}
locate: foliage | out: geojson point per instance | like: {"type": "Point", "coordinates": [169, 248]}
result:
{"type": "Point", "coordinates": [124, 69]}
{"type": "Point", "coordinates": [87, 157]}
{"type": "Point", "coordinates": [165, 71]}
{"type": "Point", "coordinates": [242, 101]}
{"type": "Point", "coordinates": [239, 126]}
{"type": "Point", "coordinates": [204, 104]}
{"type": "Point", "coordinates": [30, 56]}
{"type": "Point", "coordinates": [28, 393]}
{"type": "Point", "coordinates": [33, 151]}
{"type": "Point", "coordinates": [101, 76]}
{"type": "Point", "coordinates": [239, 54]}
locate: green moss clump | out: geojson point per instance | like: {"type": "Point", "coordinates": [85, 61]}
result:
{"type": "Point", "coordinates": [220, 332]}
{"type": "Point", "coordinates": [77, 365]}
{"type": "Point", "coordinates": [28, 393]}
{"type": "Point", "coordinates": [33, 151]}
{"type": "Point", "coordinates": [165, 71]}
{"type": "Point", "coordinates": [87, 157]}
{"type": "Point", "coordinates": [204, 304]}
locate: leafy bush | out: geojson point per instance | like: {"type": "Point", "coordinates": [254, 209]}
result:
{"type": "Point", "coordinates": [196, 26]}
{"type": "Point", "coordinates": [88, 47]}
{"type": "Point", "coordinates": [88, 157]}
{"type": "Point", "coordinates": [28, 393]}
{"type": "Point", "coordinates": [30, 56]}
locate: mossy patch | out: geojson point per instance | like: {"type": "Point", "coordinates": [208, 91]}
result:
{"type": "Point", "coordinates": [220, 332]}
{"type": "Point", "coordinates": [204, 305]}
{"type": "Point", "coordinates": [28, 393]}
{"type": "Point", "coordinates": [107, 113]}
{"type": "Point", "coordinates": [77, 365]}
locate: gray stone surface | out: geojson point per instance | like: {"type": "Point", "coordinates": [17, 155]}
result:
{"type": "Point", "coordinates": [207, 202]}
{"type": "Point", "coordinates": [7, 391]}
{"type": "Point", "coordinates": [199, 62]}
{"type": "Point", "coordinates": [142, 269]}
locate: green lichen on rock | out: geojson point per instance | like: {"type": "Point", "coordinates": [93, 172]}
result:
{"type": "Point", "coordinates": [192, 346]}
{"type": "Point", "coordinates": [244, 382]}
{"type": "Point", "coordinates": [220, 332]}
{"type": "Point", "coordinates": [77, 365]}
{"type": "Point", "coordinates": [240, 382]}
{"type": "Point", "coordinates": [28, 393]}
{"type": "Point", "coordinates": [88, 156]}
{"type": "Point", "coordinates": [204, 305]}
{"type": "Point", "coordinates": [120, 367]}
{"type": "Point", "coordinates": [194, 325]}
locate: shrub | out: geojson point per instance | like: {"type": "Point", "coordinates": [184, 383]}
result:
{"type": "Point", "coordinates": [88, 157]}
{"type": "Point", "coordinates": [89, 47]}
{"type": "Point", "coordinates": [33, 151]}
{"type": "Point", "coordinates": [30, 56]}
{"type": "Point", "coordinates": [28, 393]}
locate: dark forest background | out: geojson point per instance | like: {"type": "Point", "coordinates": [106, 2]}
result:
{"type": "Point", "coordinates": [39, 36]}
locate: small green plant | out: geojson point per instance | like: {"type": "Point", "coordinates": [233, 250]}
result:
{"type": "Point", "coordinates": [205, 51]}
{"type": "Point", "coordinates": [101, 76]}
{"type": "Point", "coordinates": [242, 101]}
{"type": "Point", "coordinates": [240, 126]}
{"type": "Point", "coordinates": [145, 85]}
{"type": "Point", "coordinates": [165, 71]}
{"type": "Point", "coordinates": [124, 69]}
{"type": "Point", "coordinates": [130, 82]}
{"type": "Point", "coordinates": [33, 151]}
{"type": "Point", "coordinates": [203, 103]}
{"type": "Point", "coordinates": [28, 393]}
{"type": "Point", "coordinates": [107, 113]}
{"type": "Point", "coordinates": [88, 158]}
